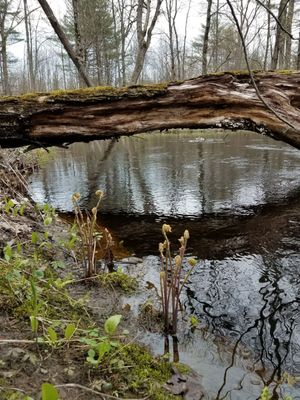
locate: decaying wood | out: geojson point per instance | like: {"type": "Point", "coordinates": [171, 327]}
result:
{"type": "Point", "coordinates": [215, 101]}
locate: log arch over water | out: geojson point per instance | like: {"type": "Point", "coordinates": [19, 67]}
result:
{"type": "Point", "coordinates": [226, 100]}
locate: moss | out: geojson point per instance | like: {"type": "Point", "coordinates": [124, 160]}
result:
{"type": "Point", "coordinates": [91, 93]}
{"type": "Point", "coordinates": [147, 374]}
{"type": "Point", "coordinates": [10, 394]}
{"type": "Point", "coordinates": [119, 280]}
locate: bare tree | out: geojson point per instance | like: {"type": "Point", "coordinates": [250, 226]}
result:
{"type": "Point", "coordinates": [64, 40]}
{"type": "Point", "coordinates": [144, 29]}
{"type": "Point", "coordinates": [277, 56]}
{"type": "Point", "coordinates": [29, 46]}
{"type": "Point", "coordinates": [206, 36]}
{"type": "Point", "coordinates": [123, 13]}
{"type": "Point", "coordinates": [298, 53]}
{"type": "Point", "coordinates": [288, 39]}
{"type": "Point", "coordinates": [10, 19]}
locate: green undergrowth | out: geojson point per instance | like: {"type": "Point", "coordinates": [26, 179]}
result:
{"type": "Point", "coordinates": [146, 374]}
{"type": "Point", "coordinates": [118, 280]}
{"type": "Point", "coordinates": [53, 330]}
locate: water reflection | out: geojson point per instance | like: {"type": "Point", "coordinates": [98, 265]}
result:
{"type": "Point", "coordinates": [187, 173]}
{"type": "Point", "coordinates": [239, 195]}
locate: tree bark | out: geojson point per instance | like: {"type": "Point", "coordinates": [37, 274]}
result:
{"type": "Point", "coordinates": [64, 40]}
{"type": "Point", "coordinates": [205, 38]}
{"type": "Point", "coordinates": [298, 53]}
{"type": "Point", "coordinates": [279, 41]}
{"type": "Point", "coordinates": [144, 30]}
{"type": "Point", "coordinates": [28, 34]}
{"type": "Point", "coordinates": [226, 101]}
{"type": "Point", "coordinates": [288, 40]}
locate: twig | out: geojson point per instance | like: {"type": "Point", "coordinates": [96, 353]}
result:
{"type": "Point", "coordinates": [268, 106]}
{"type": "Point", "coordinates": [16, 341]}
{"type": "Point", "coordinates": [87, 389]}
{"type": "Point", "coordinates": [2, 388]}
{"type": "Point", "coordinates": [276, 19]}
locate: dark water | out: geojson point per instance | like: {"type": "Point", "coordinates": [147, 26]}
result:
{"type": "Point", "coordinates": [239, 195]}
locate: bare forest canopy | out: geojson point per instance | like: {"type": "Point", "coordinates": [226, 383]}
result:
{"type": "Point", "coordinates": [120, 42]}
{"type": "Point", "coordinates": [225, 100]}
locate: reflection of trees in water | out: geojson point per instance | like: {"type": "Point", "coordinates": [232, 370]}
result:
{"type": "Point", "coordinates": [270, 333]}
{"type": "Point", "coordinates": [173, 173]}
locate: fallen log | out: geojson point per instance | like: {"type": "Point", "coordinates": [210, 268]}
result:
{"type": "Point", "coordinates": [226, 100]}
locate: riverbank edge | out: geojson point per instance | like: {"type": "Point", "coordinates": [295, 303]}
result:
{"type": "Point", "coordinates": [29, 356]}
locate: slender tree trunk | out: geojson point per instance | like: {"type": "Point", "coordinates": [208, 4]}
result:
{"type": "Point", "coordinates": [184, 40]}
{"type": "Point", "coordinates": [216, 41]}
{"type": "Point", "coordinates": [279, 41]}
{"type": "Point", "coordinates": [5, 76]}
{"type": "Point", "coordinates": [65, 41]}
{"type": "Point", "coordinates": [144, 34]}
{"type": "Point", "coordinates": [32, 85]}
{"type": "Point", "coordinates": [268, 38]}
{"type": "Point", "coordinates": [79, 48]}
{"type": "Point", "coordinates": [298, 54]}
{"type": "Point", "coordinates": [288, 40]}
{"type": "Point", "coordinates": [169, 10]}
{"type": "Point", "coordinates": [205, 38]}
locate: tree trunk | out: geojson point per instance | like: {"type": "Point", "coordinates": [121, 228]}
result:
{"type": "Point", "coordinates": [298, 54]}
{"type": "Point", "coordinates": [279, 41]}
{"type": "Point", "coordinates": [5, 75]}
{"type": "Point", "coordinates": [31, 75]}
{"type": "Point", "coordinates": [64, 40]}
{"type": "Point", "coordinates": [205, 38]}
{"type": "Point", "coordinates": [79, 48]}
{"type": "Point", "coordinates": [268, 38]}
{"type": "Point", "coordinates": [225, 101]}
{"type": "Point", "coordinates": [144, 29]}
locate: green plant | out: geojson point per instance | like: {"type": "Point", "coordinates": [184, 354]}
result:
{"type": "Point", "coordinates": [49, 392]}
{"type": "Point", "coordinates": [171, 279]}
{"type": "Point", "coordinates": [265, 394]}
{"type": "Point", "coordinates": [12, 207]}
{"type": "Point", "coordinates": [119, 279]}
{"type": "Point", "coordinates": [102, 345]}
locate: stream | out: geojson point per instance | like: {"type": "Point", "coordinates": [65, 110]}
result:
{"type": "Point", "coordinates": [239, 196]}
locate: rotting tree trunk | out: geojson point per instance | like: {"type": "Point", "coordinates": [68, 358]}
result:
{"type": "Point", "coordinates": [225, 100]}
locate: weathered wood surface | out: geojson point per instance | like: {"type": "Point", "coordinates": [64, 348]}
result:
{"type": "Point", "coordinates": [215, 101]}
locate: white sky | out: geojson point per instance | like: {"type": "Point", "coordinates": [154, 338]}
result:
{"type": "Point", "coordinates": [196, 19]}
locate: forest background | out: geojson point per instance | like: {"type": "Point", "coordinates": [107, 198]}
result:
{"type": "Point", "coordinates": [121, 42]}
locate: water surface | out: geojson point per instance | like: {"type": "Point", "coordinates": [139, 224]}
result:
{"type": "Point", "coordinates": [239, 195]}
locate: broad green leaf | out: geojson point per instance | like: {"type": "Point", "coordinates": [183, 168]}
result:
{"type": "Point", "coordinates": [89, 342]}
{"type": "Point", "coordinates": [91, 357]}
{"type": "Point", "coordinates": [112, 323]}
{"type": "Point", "coordinates": [91, 353]}
{"type": "Point", "coordinates": [52, 334]}
{"type": "Point", "coordinates": [69, 331]}
{"type": "Point", "coordinates": [102, 349]}
{"type": "Point", "coordinates": [49, 392]}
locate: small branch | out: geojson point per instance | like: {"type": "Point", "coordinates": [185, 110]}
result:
{"type": "Point", "coordinates": [276, 19]}
{"type": "Point", "coordinates": [87, 389]}
{"type": "Point", "coordinates": [2, 388]}
{"type": "Point", "coordinates": [282, 119]}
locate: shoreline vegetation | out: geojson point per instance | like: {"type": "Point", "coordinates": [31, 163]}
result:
{"type": "Point", "coordinates": [51, 332]}
{"type": "Point", "coordinates": [64, 331]}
